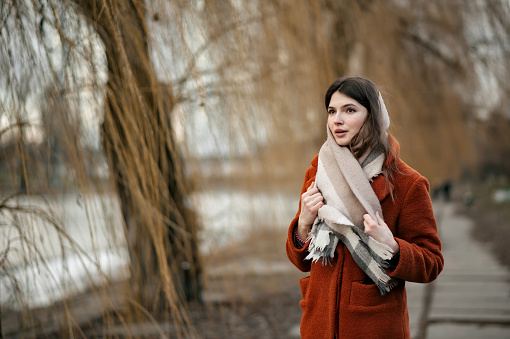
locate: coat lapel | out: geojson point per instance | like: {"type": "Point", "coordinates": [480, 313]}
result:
{"type": "Point", "coordinates": [379, 184]}
{"type": "Point", "coordinates": [380, 188]}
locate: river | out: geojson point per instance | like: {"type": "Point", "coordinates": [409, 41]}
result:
{"type": "Point", "coordinates": [87, 246]}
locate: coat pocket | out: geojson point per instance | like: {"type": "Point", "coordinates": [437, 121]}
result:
{"type": "Point", "coordinates": [368, 295]}
{"type": "Point", "coordinates": [303, 284]}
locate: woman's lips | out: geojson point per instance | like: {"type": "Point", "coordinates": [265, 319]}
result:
{"type": "Point", "coordinates": [340, 132]}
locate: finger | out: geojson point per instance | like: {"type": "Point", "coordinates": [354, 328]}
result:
{"type": "Point", "coordinates": [367, 225]}
{"type": "Point", "coordinates": [306, 194]}
{"type": "Point", "coordinates": [314, 207]}
{"type": "Point", "coordinates": [313, 198]}
{"type": "Point", "coordinates": [313, 190]}
{"type": "Point", "coordinates": [317, 197]}
{"type": "Point", "coordinates": [379, 219]}
{"type": "Point", "coordinates": [368, 217]}
{"type": "Point", "coordinates": [369, 221]}
{"type": "Point", "coordinates": [317, 206]}
{"type": "Point", "coordinates": [378, 216]}
{"type": "Point", "coordinates": [311, 185]}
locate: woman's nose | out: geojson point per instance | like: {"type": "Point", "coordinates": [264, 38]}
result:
{"type": "Point", "coordinates": [339, 120]}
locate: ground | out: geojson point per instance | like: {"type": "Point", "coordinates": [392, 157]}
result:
{"type": "Point", "coordinates": [492, 221]}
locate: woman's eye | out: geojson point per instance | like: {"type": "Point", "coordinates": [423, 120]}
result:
{"type": "Point", "coordinates": [351, 110]}
{"type": "Point", "coordinates": [331, 112]}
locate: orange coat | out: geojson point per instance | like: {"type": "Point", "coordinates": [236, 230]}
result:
{"type": "Point", "coordinates": [339, 300]}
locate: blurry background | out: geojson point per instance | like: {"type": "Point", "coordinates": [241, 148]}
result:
{"type": "Point", "coordinates": [152, 152]}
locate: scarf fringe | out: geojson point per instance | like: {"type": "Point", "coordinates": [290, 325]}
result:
{"type": "Point", "coordinates": [324, 240]}
{"type": "Point", "coordinates": [385, 284]}
{"type": "Point", "coordinates": [323, 243]}
{"type": "Point", "coordinates": [381, 252]}
{"type": "Point", "coordinates": [323, 248]}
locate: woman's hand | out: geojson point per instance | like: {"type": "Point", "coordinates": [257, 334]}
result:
{"type": "Point", "coordinates": [380, 231]}
{"type": "Point", "coordinates": [311, 201]}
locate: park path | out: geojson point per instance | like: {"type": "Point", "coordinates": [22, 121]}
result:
{"type": "Point", "coordinates": [471, 297]}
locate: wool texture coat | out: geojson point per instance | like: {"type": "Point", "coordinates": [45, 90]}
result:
{"type": "Point", "coordinates": [339, 300]}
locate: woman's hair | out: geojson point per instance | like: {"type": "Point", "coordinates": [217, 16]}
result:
{"type": "Point", "coordinates": [371, 134]}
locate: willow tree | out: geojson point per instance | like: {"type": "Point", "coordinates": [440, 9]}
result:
{"type": "Point", "coordinates": [136, 130]}
{"type": "Point", "coordinates": [145, 162]}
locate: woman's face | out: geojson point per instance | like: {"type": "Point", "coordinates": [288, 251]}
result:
{"type": "Point", "coordinates": [345, 118]}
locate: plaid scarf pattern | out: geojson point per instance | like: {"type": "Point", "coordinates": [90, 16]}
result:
{"type": "Point", "coordinates": [344, 182]}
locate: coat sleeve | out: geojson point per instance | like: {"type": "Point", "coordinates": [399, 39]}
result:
{"type": "Point", "coordinates": [420, 248]}
{"type": "Point", "coordinates": [297, 255]}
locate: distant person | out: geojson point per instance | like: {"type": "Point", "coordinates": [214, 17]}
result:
{"type": "Point", "coordinates": [444, 189]}
{"type": "Point", "coordinates": [365, 224]}
{"type": "Point", "coordinates": [447, 190]}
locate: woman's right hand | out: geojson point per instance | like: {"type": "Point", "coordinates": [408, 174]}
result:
{"type": "Point", "coordinates": [311, 201]}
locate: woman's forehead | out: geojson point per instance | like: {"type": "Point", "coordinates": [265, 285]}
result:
{"type": "Point", "coordinates": [339, 99]}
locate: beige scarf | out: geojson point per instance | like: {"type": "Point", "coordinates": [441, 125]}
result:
{"type": "Point", "coordinates": [344, 183]}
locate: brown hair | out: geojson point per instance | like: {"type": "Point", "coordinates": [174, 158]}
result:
{"type": "Point", "coordinates": [371, 134]}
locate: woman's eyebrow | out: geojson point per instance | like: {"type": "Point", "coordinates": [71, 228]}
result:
{"type": "Point", "coordinates": [344, 106]}
{"type": "Point", "coordinates": [349, 104]}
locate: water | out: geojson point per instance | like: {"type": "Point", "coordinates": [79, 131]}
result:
{"type": "Point", "coordinates": [62, 247]}
{"type": "Point", "coordinates": [49, 263]}
{"type": "Point", "coordinates": [229, 215]}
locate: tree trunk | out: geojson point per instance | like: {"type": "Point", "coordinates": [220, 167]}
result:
{"type": "Point", "coordinates": [146, 167]}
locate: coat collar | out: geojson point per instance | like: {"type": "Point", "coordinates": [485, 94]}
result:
{"type": "Point", "coordinates": [379, 184]}
{"type": "Point", "coordinates": [395, 150]}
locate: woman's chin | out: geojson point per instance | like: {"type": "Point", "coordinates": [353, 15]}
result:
{"type": "Point", "coordinates": [342, 142]}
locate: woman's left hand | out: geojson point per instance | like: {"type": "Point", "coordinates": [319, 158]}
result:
{"type": "Point", "coordinates": [380, 231]}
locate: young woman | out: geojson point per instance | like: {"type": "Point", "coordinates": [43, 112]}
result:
{"type": "Point", "coordinates": [365, 224]}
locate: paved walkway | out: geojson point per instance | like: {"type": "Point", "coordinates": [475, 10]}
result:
{"type": "Point", "coordinates": [471, 297]}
